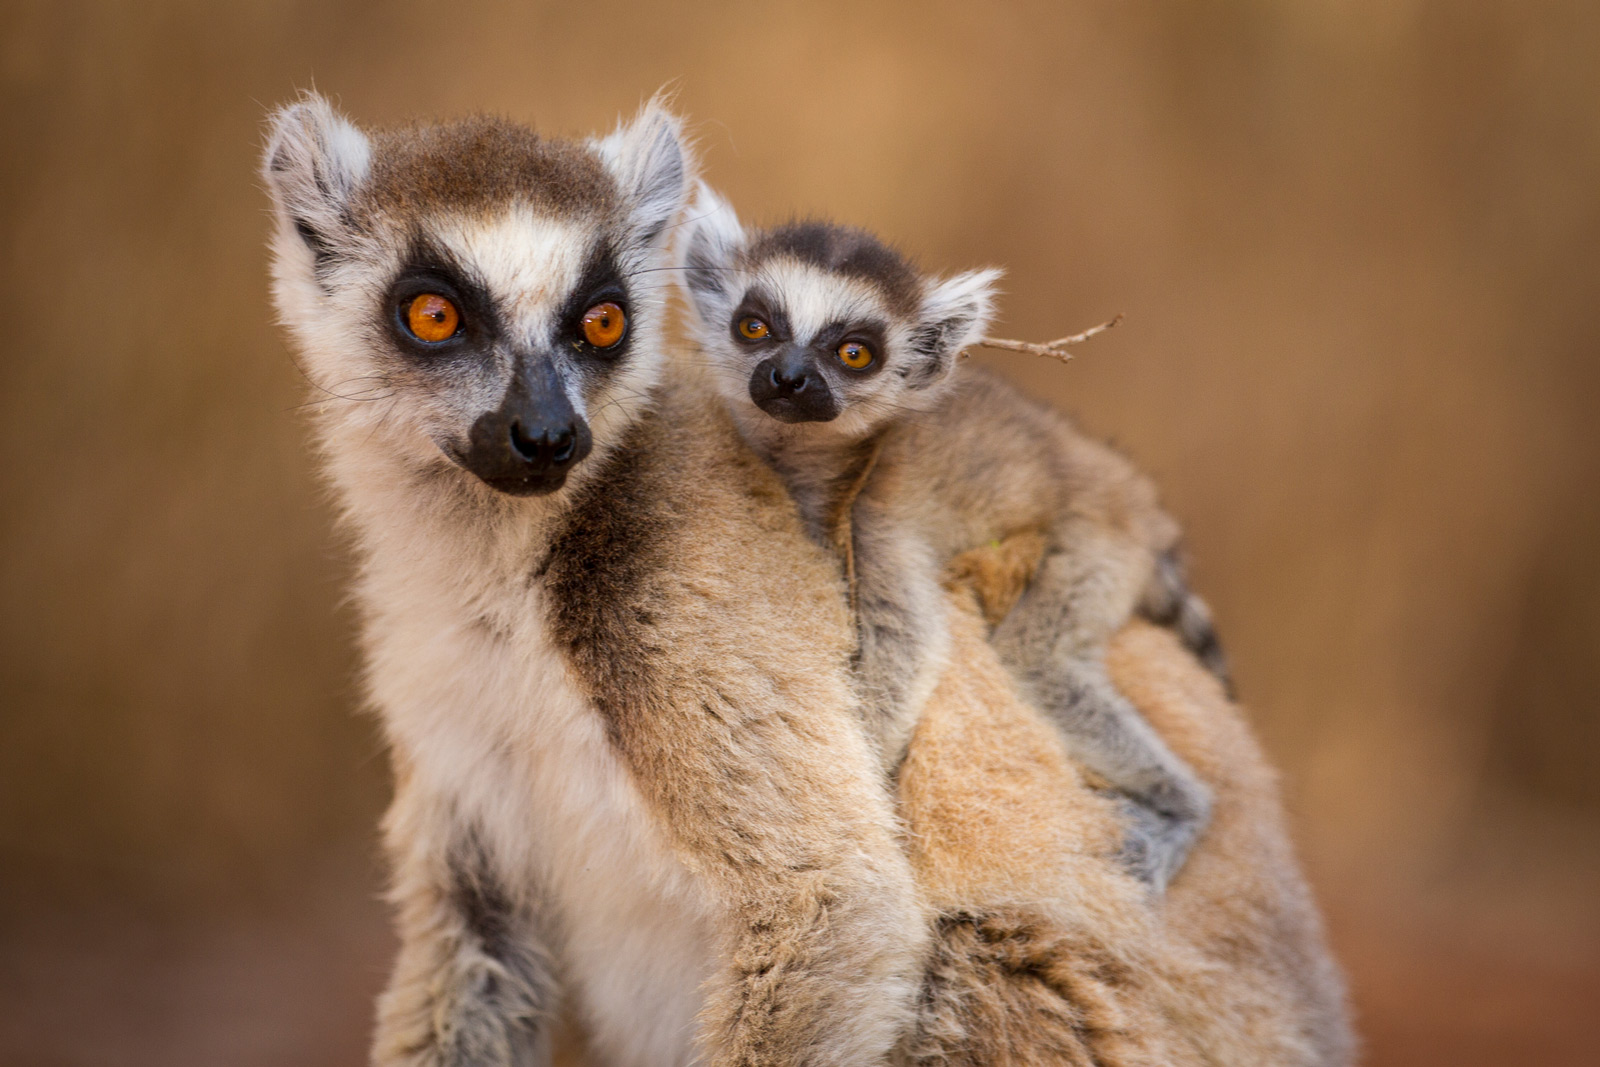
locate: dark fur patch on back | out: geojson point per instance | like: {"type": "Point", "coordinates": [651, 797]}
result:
{"type": "Point", "coordinates": [484, 161]}
{"type": "Point", "coordinates": [849, 251]}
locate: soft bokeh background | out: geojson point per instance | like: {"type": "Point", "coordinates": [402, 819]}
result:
{"type": "Point", "coordinates": [1358, 245]}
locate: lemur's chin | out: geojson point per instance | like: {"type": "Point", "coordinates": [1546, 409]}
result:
{"type": "Point", "coordinates": [785, 409]}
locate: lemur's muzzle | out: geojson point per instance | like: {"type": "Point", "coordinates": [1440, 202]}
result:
{"type": "Point", "coordinates": [526, 446]}
{"type": "Point", "coordinates": [788, 386]}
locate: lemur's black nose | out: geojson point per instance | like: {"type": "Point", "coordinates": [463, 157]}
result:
{"type": "Point", "coordinates": [789, 381]}
{"type": "Point", "coordinates": [549, 448]}
{"type": "Point", "coordinates": [790, 388]}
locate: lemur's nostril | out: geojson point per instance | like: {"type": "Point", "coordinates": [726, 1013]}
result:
{"type": "Point", "coordinates": [564, 443]}
{"type": "Point", "coordinates": [521, 443]}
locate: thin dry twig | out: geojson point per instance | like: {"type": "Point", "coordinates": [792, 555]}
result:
{"type": "Point", "coordinates": [1054, 349]}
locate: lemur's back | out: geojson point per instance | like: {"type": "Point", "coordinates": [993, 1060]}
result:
{"type": "Point", "coordinates": [988, 462]}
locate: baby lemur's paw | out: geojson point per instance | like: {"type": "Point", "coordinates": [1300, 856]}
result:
{"type": "Point", "coordinates": [1156, 843]}
{"type": "Point", "coordinates": [1142, 837]}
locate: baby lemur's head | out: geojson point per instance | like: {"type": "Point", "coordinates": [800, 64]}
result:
{"type": "Point", "coordinates": [821, 327]}
{"type": "Point", "coordinates": [473, 300]}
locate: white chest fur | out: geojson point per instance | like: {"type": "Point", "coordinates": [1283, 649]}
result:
{"type": "Point", "coordinates": [495, 728]}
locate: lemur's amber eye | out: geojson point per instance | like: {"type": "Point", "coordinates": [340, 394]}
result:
{"type": "Point", "coordinates": [855, 355]}
{"type": "Point", "coordinates": [603, 325]}
{"type": "Point", "coordinates": [430, 317]}
{"type": "Point", "coordinates": [752, 328]}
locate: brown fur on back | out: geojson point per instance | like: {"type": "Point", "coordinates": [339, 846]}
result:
{"type": "Point", "coordinates": [1045, 952]}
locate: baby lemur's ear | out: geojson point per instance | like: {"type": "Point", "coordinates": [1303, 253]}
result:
{"type": "Point", "coordinates": [711, 247]}
{"type": "Point", "coordinates": [955, 313]}
{"type": "Point", "coordinates": [313, 163]}
{"type": "Point", "coordinates": [652, 164]}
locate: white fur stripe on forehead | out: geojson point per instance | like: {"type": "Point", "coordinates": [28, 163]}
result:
{"type": "Point", "coordinates": [528, 260]}
{"type": "Point", "coordinates": [652, 165]}
{"type": "Point", "coordinates": [813, 297]}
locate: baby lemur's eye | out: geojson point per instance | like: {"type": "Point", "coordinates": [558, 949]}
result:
{"type": "Point", "coordinates": [604, 325]}
{"type": "Point", "coordinates": [432, 318]}
{"type": "Point", "coordinates": [752, 328]}
{"type": "Point", "coordinates": [855, 355]}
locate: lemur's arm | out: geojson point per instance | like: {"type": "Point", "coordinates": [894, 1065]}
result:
{"type": "Point", "coordinates": [780, 810]}
{"type": "Point", "coordinates": [1087, 586]}
{"type": "Point", "coordinates": [900, 624]}
{"type": "Point", "coordinates": [473, 983]}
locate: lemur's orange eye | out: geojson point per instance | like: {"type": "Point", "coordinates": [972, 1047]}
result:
{"type": "Point", "coordinates": [752, 328]}
{"type": "Point", "coordinates": [432, 318]}
{"type": "Point", "coordinates": [855, 355]}
{"type": "Point", "coordinates": [603, 325]}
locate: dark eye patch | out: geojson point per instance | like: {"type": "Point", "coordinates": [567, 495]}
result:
{"type": "Point", "coordinates": [869, 333]}
{"type": "Point", "coordinates": [431, 269]}
{"type": "Point", "coordinates": [758, 303]}
{"type": "Point", "coordinates": [602, 282]}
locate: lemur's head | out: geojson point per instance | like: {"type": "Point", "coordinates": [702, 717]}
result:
{"type": "Point", "coordinates": [481, 288]}
{"type": "Point", "coordinates": [824, 325]}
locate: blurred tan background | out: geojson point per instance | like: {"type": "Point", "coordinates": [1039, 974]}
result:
{"type": "Point", "coordinates": [1358, 245]}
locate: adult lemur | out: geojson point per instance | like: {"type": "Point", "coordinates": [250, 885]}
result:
{"type": "Point", "coordinates": [613, 670]}
{"type": "Point", "coordinates": [837, 360]}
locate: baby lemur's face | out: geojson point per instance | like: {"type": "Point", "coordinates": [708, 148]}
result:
{"type": "Point", "coordinates": [467, 296]}
{"type": "Point", "coordinates": [822, 327]}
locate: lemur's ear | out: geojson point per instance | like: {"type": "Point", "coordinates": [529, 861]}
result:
{"type": "Point", "coordinates": [710, 249]}
{"type": "Point", "coordinates": [313, 163]}
{"type": "Point", "coordinates": [955, 313]}
{"type": "Point", "coordinates": [651, 163]}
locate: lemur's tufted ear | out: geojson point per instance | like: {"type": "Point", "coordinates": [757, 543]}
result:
{"type": "Point", "coordinates": [955, 313]}
{"type": "Point", "coordinates": [651, 163]}
{"type": "Point", "coordinates": [710, 248]}
{"type": "Point", "coordinates": [313, 163]}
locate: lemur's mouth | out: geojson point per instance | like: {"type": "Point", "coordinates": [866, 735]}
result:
{"type": "Point", "coordinates": [791, 409]}
{"type": "Point", "coordinates": [527, 485]}
{"type": "Point", "coordinates": [510, 481]}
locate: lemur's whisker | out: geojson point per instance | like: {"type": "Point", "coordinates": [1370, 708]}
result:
{"type": "Point", "coordinates": [681, 267]}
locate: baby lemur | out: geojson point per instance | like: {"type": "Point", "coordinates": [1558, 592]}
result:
{"type": "Point", "coordinates": [838, 361]}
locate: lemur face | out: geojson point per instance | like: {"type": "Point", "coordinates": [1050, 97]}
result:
{"type": "Point", "coordinates": [819, 324]}
{"type": "Point", "coordinates": [478, 286]}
